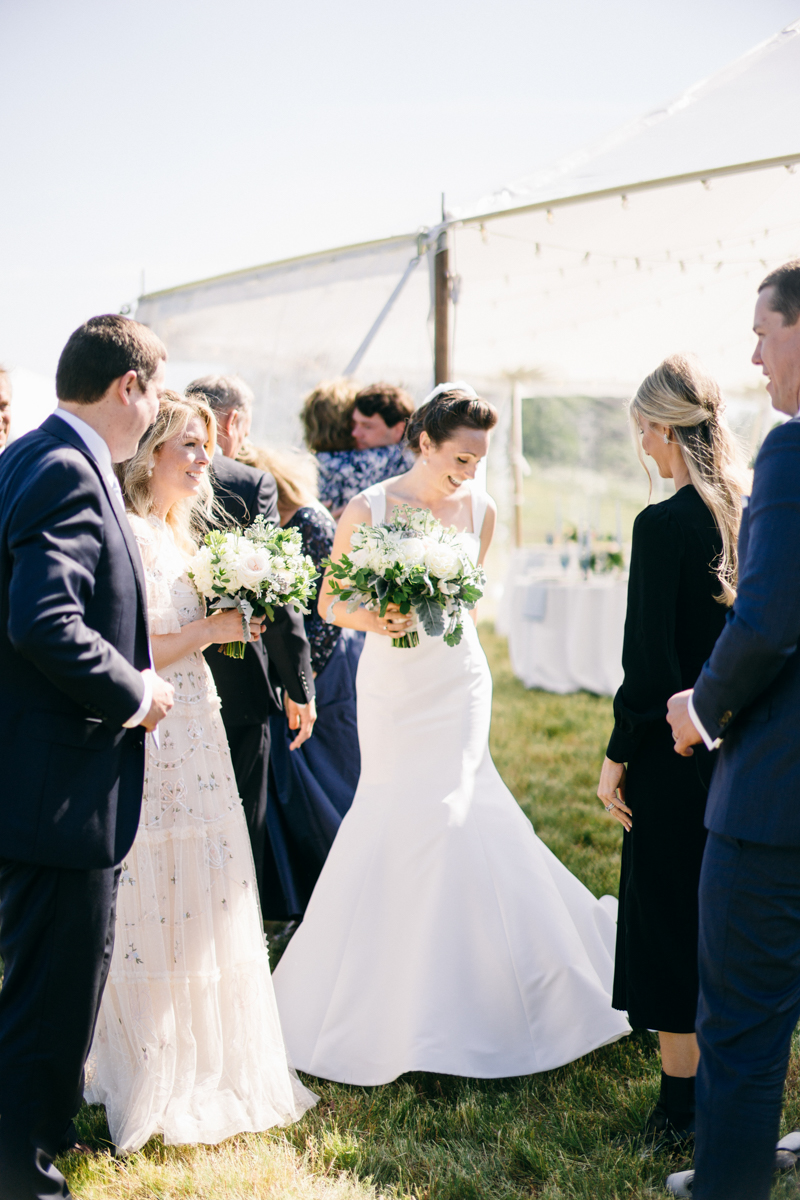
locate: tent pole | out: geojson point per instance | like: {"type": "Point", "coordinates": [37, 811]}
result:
{"type": "Point", "coordinates": [516, 459]}
{"type": "Point", "coordinates": [441, 313]}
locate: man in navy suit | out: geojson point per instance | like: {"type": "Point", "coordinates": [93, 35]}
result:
{"type": "Point", "coordinates": [747, 703]}
{"type": "Point", "coordinates": [77, 694]}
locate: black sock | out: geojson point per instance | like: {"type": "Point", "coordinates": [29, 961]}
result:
{"type": "Point", "coordinates": [677, 1099]}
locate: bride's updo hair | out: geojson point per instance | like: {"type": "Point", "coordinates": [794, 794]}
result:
{"type": "Point", "coordinates": [445, 414]}
{"type": "Point", "coordinates": [683, 396]}
{"type": "Point", "coordinates": [190, 518]}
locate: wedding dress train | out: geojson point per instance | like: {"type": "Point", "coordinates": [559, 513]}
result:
{"type": "Point", "coordinates": [442, 935]}
{"type": "Point", "coordinates": [188, 1042]}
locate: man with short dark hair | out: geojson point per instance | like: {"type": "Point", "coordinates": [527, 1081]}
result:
{"type": "Point", "coordinates": [747, 703]}
{"type": "Point", "coordinates": [275, 673]}
{"type": "Point", "coordinates": [5, 407]}
{"type": "Point", "coordinates": [380, 414]}
{"type": "Point", "coordinates": [77, 694]}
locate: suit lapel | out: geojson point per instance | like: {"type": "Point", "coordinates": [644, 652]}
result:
{"type": "Point", "coordinates": [60, 429]}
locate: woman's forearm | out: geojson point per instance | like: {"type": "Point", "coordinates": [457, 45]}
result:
{"type": "Point", "coordinates": [167, 648]}
{"type": "Point", "coordinates": [338, 615]}
{"type": "Point", "coordinates": [334, 611]}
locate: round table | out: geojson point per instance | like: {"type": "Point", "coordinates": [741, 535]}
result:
{"type": "Point", "coordinates": [565, 635]}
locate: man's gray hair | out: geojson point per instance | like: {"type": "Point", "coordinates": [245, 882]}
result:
{"type": "Point", "coordinates": [223, 392]}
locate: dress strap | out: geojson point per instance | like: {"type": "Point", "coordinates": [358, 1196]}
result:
{"type": "Point", "coordinates": [480, 502]}
{"type": "Point", "coordinates": [376, 498]}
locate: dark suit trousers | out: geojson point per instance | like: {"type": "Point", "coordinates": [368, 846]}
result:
{"type": "Point", "coordinates": [749, 1006]}
{"type": "Point", "coordinates": [249, 745]}
{"type": "Point", "coordinates": [56, 938]}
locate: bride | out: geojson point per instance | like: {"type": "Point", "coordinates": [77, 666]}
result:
{"type": "Point", "coordinates": [442, 934]}
{"type": "Point", "coordinates": [188, 1042]}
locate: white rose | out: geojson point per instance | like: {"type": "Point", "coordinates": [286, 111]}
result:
{"type": "Point", "coordinates": [443, 561]}
{"type": "Point", "coordinates": [202, 574]}
{"type": "Point", "coordinates": [229, 556]}
{"type": "Point", "coordinates": [411, 552]}
{"type": "Point", "coordinates": [251, 568]}
{"type": "Point", "coordinates": [361, 558]}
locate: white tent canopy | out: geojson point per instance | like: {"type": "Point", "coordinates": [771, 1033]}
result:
{"type": "Point", "coordinates": [589, 273]}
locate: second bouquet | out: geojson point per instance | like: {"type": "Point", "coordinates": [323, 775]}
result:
{"type": "Point", "coordinates": [412, 561]}
{"type": "Point", "coordinates": [253, 570]}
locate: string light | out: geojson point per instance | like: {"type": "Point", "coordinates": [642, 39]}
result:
{"type": "Point", "coordinates": [695, 257]}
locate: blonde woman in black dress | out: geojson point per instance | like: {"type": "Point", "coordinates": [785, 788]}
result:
{"type": "Point", "coordinates": [682, 581]}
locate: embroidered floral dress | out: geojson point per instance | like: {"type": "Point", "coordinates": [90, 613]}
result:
{"type": "Point", "coordinates": [188, 1042]}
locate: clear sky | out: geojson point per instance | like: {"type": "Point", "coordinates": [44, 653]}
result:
{"type": "Point", "coordinates": [183, 138]}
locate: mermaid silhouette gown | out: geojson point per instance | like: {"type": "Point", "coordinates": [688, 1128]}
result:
{"type": "Point", "coordinates": [442, 934]}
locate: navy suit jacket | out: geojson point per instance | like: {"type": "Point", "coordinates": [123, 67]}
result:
{"type": "Point", "coordinates": [73, 641]}
{"type": "Point", "coordinates": [749, 690]}
{"type": "Point", "coordinates": [249, 688]}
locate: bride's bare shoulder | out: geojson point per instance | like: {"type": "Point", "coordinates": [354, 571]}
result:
{"type": "Point", "coordinates": [358, 509]}
{"type": "Point", "coordinates": [356, 512]}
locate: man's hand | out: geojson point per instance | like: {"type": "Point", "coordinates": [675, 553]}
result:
{"type": "Point", "coordinates": [163, 700]}
{"type": "Point", "coordinates": [684, 733]}
{"type": "Point", "coordinates": [301, 717]}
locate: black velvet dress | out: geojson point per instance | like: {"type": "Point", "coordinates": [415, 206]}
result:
{"type": "Point", "coordinates": [671, 626]}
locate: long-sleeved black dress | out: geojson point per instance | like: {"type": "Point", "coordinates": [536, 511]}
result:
{"type": "Point", "coordinates": [672, 623]}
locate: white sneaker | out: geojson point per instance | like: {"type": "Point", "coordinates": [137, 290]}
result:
{"type": "Point", "coordinates": [680, 1184]}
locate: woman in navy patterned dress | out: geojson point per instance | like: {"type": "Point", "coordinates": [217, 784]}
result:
{"type": "Point", "coordinates": [345, 468]}
{"type": "Point", "coordinates": [311, 788]}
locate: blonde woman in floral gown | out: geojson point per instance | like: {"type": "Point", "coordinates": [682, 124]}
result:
{"type": "Point", "coordinates": [188, 1042]}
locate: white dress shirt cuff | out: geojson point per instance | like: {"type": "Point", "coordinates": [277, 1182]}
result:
{"type": "Point", "coordinates": [147, 700]}
{"type": "Point", "coordinates": [698, 724]}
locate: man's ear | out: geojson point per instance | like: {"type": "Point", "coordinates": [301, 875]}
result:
{"type": "Point", "coordinates": [125, 386]}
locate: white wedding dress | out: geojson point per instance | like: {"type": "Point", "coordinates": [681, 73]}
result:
{"type": "Point", "coordinates": [188, 1043]}
{"type": "Point", "coordinates": [442, 934]}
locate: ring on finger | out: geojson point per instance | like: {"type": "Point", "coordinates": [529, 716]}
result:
{"type": "Point", "coordinates": [608, 807]}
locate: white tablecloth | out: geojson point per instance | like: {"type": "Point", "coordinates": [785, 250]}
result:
{"type": "Point", "coordinates": [566, 635]}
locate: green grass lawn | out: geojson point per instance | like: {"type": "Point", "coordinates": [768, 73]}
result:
{"type": "Point", "coordinates": [561, 1134]}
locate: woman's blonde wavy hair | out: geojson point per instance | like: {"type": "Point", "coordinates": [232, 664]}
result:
{"type": "Point", "coordinates": [189, 519]}
{"type": "Point", "coordinates": [682, 395]}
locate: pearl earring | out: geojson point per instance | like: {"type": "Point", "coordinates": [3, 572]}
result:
{"type": "Point", "coordinates": [150, 466]}
{"type": "Point", "coordinates": [424, 462]}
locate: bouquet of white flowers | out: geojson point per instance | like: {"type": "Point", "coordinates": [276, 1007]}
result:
{"type": "Point", "coordinates": [414, 562]}
{"type": "Point", "coordinates": [253, 570]}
